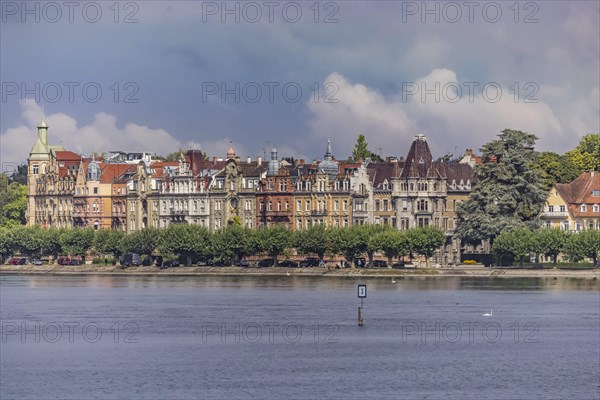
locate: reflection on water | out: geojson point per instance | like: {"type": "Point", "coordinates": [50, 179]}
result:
{"type": "Point", "coordinates": [305, 282]}
{"type": "Point", "coordinates": [264, 337]}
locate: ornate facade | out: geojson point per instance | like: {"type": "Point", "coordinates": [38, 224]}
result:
{"type": "Point", "coordinates": [51, 174]}
{"type": "Point", "coordinates": [130, 191]}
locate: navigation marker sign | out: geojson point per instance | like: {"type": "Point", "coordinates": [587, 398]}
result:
{"type": "Point", "coordinates": [362, 291]}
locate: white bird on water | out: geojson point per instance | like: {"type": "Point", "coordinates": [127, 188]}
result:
{"type": "Point", "coordinates": [393, 280]}
{"type": "Point", "coordinates": [287, 272]}
{"type": "Point", "coordinates": [490, 314]}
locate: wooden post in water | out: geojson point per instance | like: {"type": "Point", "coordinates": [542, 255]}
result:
{"type": "Point", "coordinates": [361, 322]}
{"type": "Point", "coordinates": [362, 293]}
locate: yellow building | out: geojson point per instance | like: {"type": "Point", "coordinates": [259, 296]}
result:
{"type": "Point", "coordinates": [574, 206]}
{"type": "Point", "coordinates": [99, 200]}
{"type": "Point", "coordinates": [50, 182]}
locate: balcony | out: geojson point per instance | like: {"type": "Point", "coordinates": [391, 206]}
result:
{"type": "Point", "coordinates": [554, 214]}
{"type": "Point", "coordinates": [275, 212]}
{"type": "Point", "coordinates": [360, 213]}
{"type": "Point", "coordinates": [318, 213]}
{"type": "Point", "coordinates": [178, 213]}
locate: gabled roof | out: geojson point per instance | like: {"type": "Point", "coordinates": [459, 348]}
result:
{"type": "Point", "coordinates": [66, 155]}
{"type": "Point", "coordinates": [379, 172]}
{"type": "Point", "coordinates": [252, 169]}
{"type": "Point", "coordinates": [419, 162]}
{"type": "Point", "coordinates": [161, 164]}
{"type": "Point", "coordinates": [111, 172]}
{"type": "Point", "coordinates": [580, 191]}
{"type": "Point", "coordinates": [460, 172]}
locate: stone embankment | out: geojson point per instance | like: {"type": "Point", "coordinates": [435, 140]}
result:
{"type": "Point", "coordinates": [467, 271]}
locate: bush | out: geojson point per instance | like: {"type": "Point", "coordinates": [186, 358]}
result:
{"type": "Point", "coordinates": [101, 260]}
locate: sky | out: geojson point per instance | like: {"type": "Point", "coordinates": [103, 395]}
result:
{"type": "Point", "coordinates": [160, 76]}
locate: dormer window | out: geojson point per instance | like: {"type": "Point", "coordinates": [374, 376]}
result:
{"type": "Point", "coordinates": [596, 208]}
{"type": "Point", "coordinates": [595, 193]}
{"type": "Point", "coordinates": [583, 208]}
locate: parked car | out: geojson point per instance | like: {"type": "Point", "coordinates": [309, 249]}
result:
{"type": "Point", "coordinates": [74, 261]}
{"type": "Point", "coordinates": [130, 259]}
{"type": "Point", "coordinates": [63, 260]}
{"type": "Point", "coordinates": [221, 263]}
{"type": "Point", "coordinates": [398, 265]}
{"type": "Point", "coordinates": [380, 264]}
{"type": "Point", "coordinates": [310, 262]}
{"type": "Point", "coordinates": [266, 262]}
{"type": "Point", "coordinates": [170, 264]}
{"type": "Point", "coordinates": [37, 261]}
{"type": "Point", "coordinates": [242, 263]}
{"type": "Point", "coordinates": [289, 264]}
{"type": "Point", "coordinates": [203, 261]}
{"type": "Point", "coordinates": [18, 261]}
{"type": "Point", "coordinates": [147, 261]}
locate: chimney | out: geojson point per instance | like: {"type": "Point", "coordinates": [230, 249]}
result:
{"type": "Point", "coordinates": [302, 161]}
{"type": "Point", "coordinates": [259, 160]}
{"type": "Point", "coordinates": [249, 160]}
{"type": "Point", "coordinates": [214, 160]}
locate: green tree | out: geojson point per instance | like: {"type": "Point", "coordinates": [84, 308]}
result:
{"type": "Point", "coordinates": [556, 168]}
{"type": "Point", "coordinates": [77, 242]}
{"type": "Point", "coordinates": [24, 240]}
{"type": "Point", "coordinates": [315, 240]}
{"type": "Point", "coordinates": [393, 243]}
{"type": "Point", "coordinates": [15, 209]}
{"type": "Point", "coordinates": [144, 241]}
{"type": "Point", "coordinates": [19, 175]}
{"type": "Point", "coordinates": [274, 240]}
{"type": "Point", "coordinates": [109, 242]}
{"type": "Point", "coordinates": [13, 202]}
{"type": "Point", "coordinates": [368, 233]}
{"type": "Point", "coordinates": [184, 240]}
{"type": "Point", "coordinates": [4, 244]}
{"type": "Point", "coordinates": [584, 244]}
{"type": "Point", "coordinates": [345, 241]}
{"type": "Point", "coordinates": [518, 242]}
{"type": "Point", "coordinates": [510, 191]}
{"type": "Point", "coordinates": [361, 150]}
{"type": "Point", "coordinates": [426, 240]}
{"type": "Point", "coordinates": [174, 156]}
{"type": "Point", "coordinates": [51, 244]}
{"type": "Point", "coordinates": [586, 156]}
{"type": "Point", "coordinates": [233, 241]}
{"type": "Point", "coordinates": [549, 242]}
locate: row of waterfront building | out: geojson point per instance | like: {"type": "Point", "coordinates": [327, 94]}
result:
{"type": "Point", "coordinates": [130, 191]}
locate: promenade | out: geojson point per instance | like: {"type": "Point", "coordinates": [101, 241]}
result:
{"type": "Point", "coordinates": [466, 271]}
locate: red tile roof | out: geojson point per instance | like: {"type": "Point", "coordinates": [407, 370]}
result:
{"type": "Point", "coordinates": [111, 172]}
{"type": "Point", "coordinates": [66, 155]}
{"type": "Point", "coordinates": [579, 192]}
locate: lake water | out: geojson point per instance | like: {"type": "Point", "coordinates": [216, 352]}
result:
{"type": "Point", "coordinates": [115, 337]}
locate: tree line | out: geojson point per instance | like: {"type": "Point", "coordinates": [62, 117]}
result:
{"type": "Point", "coordinates": [522, 242]}
{"type": "Point", "coordinates": [513, 183]}
{"type": "Point", "coordinates": [192, 242]}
